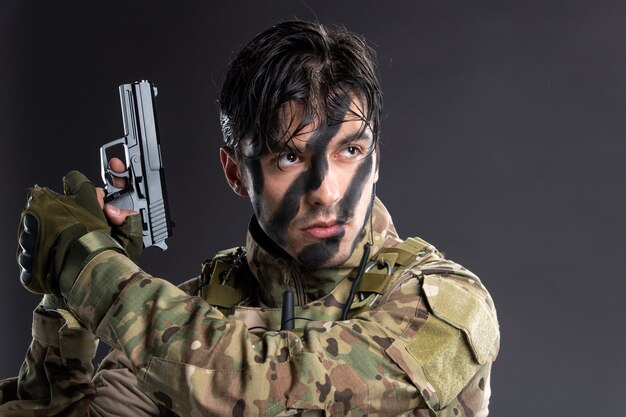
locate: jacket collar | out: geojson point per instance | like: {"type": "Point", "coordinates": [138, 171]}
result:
{"type": "Point", "coordinates": [275, 271]}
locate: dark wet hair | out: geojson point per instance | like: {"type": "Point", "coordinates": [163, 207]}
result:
{"type": "Point", "coordinates": [303, 63]}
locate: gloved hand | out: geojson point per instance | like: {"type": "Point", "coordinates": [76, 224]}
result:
{"type": "Point", "coordinates": [58, 234]}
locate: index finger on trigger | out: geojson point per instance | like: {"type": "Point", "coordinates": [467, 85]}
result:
{"type": "Point", "coordinates": [116, 165]}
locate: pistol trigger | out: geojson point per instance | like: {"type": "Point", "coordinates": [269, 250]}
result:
{"type": "Point", "coordinates": [109, 179]}
{"type": "Point", "coordinates": [117, 174]}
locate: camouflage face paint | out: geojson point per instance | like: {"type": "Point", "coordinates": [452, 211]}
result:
{"type": "Point", "coordinates": [258, 180]}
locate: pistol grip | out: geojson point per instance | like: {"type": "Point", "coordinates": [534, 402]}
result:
{"type": "Point", "coordinates": [120, 199]}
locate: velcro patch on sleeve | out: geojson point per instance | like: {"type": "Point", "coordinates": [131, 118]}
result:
{"type": "Point", "coordinates": [445, 357]}
{"type": "Point", "coordinates": [466, 307]}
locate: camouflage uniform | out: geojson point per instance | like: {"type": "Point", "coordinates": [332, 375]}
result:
{"type": "Point", "coordinates": [420, 339]}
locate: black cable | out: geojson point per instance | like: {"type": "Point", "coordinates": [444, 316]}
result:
{"type": "Point", "coordinates": [357, 279]}
{"type": "Point", "coordinates": [258, 327]}
{"type": "Point", "coordinates": [270, 330]}
{"type": "Point", "coordinates": [296, 318]}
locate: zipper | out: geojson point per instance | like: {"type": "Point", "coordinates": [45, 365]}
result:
{"type": "Point", "coordinates": [295, 278]}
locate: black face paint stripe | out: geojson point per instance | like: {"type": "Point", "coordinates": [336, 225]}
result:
{"type": "Point", "coordinates": [312, 256]}
{"type": "Point", "coordinates": [258, 181]}
{"type": "Point", "coordinates": [289, 209]}
{"type": "Point", "coordinates": [317, 146]}
{"type": "Point", "coordinates": [355, 189]}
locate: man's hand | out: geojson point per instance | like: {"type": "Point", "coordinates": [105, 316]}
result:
{"type": "Point", "coordinates": [52, 223]}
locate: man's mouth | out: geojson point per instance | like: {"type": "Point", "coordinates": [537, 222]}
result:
{"type": "Point", "coordinates": [324, 230]}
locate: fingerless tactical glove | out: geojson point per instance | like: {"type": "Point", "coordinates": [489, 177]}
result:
{"type": "Point", "coordinates": [58, 234]}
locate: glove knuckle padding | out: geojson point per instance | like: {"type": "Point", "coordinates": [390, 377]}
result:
{"type": "Point", "coordinates": [28, 238]}
{"type": "Point", "coordinates": [59, 222]}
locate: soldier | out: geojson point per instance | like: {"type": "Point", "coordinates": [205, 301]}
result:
{"type": "Point", "coordinates": [381, 326]}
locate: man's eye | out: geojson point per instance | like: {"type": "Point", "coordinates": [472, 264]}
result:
{"type": "Point", "coordinates": [288, 159]}
{"type": "Point", "coordinates": [351, 152]}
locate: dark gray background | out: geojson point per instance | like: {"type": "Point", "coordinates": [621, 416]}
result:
{"type": "Point", "coordinates": [503, 144]}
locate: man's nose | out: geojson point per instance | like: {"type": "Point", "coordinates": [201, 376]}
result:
{"type": "Point", "coordinates": [328, 193]}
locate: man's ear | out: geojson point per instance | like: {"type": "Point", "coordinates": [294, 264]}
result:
{"type": "Point", "coordinates": [232, 171]}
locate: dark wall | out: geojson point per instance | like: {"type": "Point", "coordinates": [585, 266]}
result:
{"type": "Point", "coordinates": [503, 143]}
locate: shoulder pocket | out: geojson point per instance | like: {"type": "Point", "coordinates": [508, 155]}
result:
{"type": "Point", "coordinates": [460, 335]}
{"type": "Point", "coordinates": [468, 307]}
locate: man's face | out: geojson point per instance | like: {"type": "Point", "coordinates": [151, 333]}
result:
{"type": "Point", "coordinates": [313, 200]}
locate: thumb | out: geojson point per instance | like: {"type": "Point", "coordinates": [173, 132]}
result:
{"type": "Point", "coordinates": [82, 191]}
{"type": "Point", "coordinates": [115, 215]}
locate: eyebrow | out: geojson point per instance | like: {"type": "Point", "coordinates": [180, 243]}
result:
{"type": "Point", "coordinates": [361, 135]}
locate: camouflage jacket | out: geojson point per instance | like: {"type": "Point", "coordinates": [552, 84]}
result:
{"type": "Point", "coordinates": [419, 340]}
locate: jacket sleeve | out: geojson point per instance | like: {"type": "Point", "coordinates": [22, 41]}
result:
{"type": "Point", "coordinates": [56, 376]}
{"type": "Point", "coordinates": [193, 360]}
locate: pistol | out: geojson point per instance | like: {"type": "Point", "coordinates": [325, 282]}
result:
{"type": "Point", "coordinates": [145, 177]}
